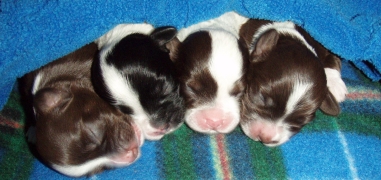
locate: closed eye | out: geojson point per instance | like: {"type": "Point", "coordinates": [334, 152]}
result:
{"type": "Point", "coordinates": [194, 87]}
{"type": "Point", "coordinates": [238, 89]}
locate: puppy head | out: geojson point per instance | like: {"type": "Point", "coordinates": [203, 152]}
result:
{"type": "Point", "coordinates": [211, 67]}
{"type": "Point", "coordinates": [286, 85]}
{"type": "Point", "coordinates": [77, 133]}
{"type": "Point", "coordinates": [137, 75]}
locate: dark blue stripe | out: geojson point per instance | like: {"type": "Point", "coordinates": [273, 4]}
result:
{"type": "Point", "coordinates": [239, 155]}
{"type": "Point", "coordinates": [202, 156]}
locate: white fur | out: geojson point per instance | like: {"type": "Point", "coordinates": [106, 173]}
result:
{"type": "Point", "coordinates": [287, 28]}
{"type": "Point", "coordinates": [36, 83]}
{"type": "Point", "coordinates": [225, 61]}
{"type": "Point", "coordinates": [225, 66]}
{"type": "Point", "coordinates": [335, 84]}
{"type": "Point", "coordinates": [83, 169]}
{"type": "Point", "coordinates": [117, 84]}
{"type": "Point", "coordinates": [226, 69]}
{"type": "Point", "coordinates": [120, 31]}
{"type": "Point", "coordinates": [298, 91]}
{"type": "Point", "coordinates": [283, 135]}
{"type": "Point", "coordinates": [124, 94]}
{"type": "Point", "coordinates": [80, 170]}
{"type": "Point", "coordinates": [230, 22]}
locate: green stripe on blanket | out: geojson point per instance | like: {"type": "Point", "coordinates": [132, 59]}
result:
{"type": "Point", "coordinates": [16, 160]}
{"type": "Point", "coordinates": [330, 147]}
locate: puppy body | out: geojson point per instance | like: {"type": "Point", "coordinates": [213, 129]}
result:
{"type": "Point", "coordinates": [290, 76]}
{"type": "Point", "coordinates": [134, 72]}
{"type": "Point", "coordinates": [77, 133]}
{"type": "Point", "coordinates": [211, 61]}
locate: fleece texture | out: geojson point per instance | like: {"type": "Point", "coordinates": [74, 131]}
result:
{"type": "Point", "coordinates": [33, 33]}
{"type": "Point", "coordinates": [343, 147]}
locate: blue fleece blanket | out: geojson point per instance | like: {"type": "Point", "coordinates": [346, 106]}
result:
{"type": "Point", "coordinates": [33, 33]}
{"type": "Point", "coordinates": [343, 147]}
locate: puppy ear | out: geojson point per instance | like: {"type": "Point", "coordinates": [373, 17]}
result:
{"type": "Point", "coordinates": [49, 98]}
{"type": "Point", "coordinates": [330, 106]}
{"type": "Point", "coordinates": [264, 44]}
{"type": "Point", "coordinates": [163, 35]}
{"type": "Point", "coordinates": [173, 46]}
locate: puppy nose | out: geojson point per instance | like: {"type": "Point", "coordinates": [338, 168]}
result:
{"type": "Point", "coordinates": [213, 123]}
{"type": "Point", "coordinates": [266, 138]}
{"type": "Point", "coordinates": [161, 131]}
{"type": "Point", "coordinates": [134, 152]}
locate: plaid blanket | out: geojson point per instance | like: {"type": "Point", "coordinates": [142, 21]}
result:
{"type": "Point", "coordinates": [343, 147]}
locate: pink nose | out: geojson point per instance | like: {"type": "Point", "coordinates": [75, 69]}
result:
{"type": "Point", "coordinates": [161, 130]}
{"type": "Point", "coordinates": [214, 123]}
{"type": "Point", "coordinates": [264, 132]}
{"type": "Point", "coordinates": [266, 138]}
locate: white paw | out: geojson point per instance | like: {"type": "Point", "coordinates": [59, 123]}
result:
{"type": "Point", "coordinates": [335, 84]}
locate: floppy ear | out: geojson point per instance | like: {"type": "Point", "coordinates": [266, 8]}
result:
{"type": "Point", "coordinates": [162, 35]}
{"type": "Point", "coordinates": [330, 106]}
{"type": "Point", "coordinates": [263, 44]}
{"type": "Point", "coordinates": [50, 98]}
{"type": "Point", "coordinates": [173, 46]}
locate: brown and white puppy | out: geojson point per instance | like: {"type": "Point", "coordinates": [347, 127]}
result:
{"type": "Point", "coordinates": [78, 133]}
{"type": "Point", "coordinates": [211, 64]}
{"type": "Point", "coordinates": [290, 76]}
{"type": "Point", "coordinates": [134, 72]}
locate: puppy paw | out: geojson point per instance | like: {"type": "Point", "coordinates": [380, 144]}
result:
{"type": "Point", "coordinates": [335, 84]}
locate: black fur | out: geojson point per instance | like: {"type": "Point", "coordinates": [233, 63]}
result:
{"type": "Point", "coordinates": [144, 62]}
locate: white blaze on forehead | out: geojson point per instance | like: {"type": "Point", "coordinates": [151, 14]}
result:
{"type": "Point", "coordinates": [225, 66]}
{"type": "Point", "coordinates": [287, 28]}
{"type": "Point", "coordinates": [226, 62]}
{"type": "Point", "coordinates": [298, 91]}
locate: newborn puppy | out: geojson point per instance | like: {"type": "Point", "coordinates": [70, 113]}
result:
{"type": "Point", "coordinates": [134, 72]}
{"type": "Point", "coordinates": [78, 133]}
{"type": "Point", "coordinates": [290, 76]}
{"type": "Point", "coordinates": [211, 64]}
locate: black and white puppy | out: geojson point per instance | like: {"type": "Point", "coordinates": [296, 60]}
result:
{"type": "Point", "coordinates": [290, 76]}
{"type": "Point", "coordinates": [211, 64]}
{"type": "Point", "coordinates": [77, 133]}
{"type": "Point", "coordinates": [134, 72]}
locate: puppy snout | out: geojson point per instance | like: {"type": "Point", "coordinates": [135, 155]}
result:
{"type": "Point", "coordinates": [269, 134]}
{"type": "Point", "coordinates": [133, 153]}
{"type": "Point", "coordinates": [214, 119]}
{"type": "Point", "coordinates": [213, 122]}
{"type": "Point", "coordinates": [267, 138]}
{"type": "Point", "coordinates": [162, 130]}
